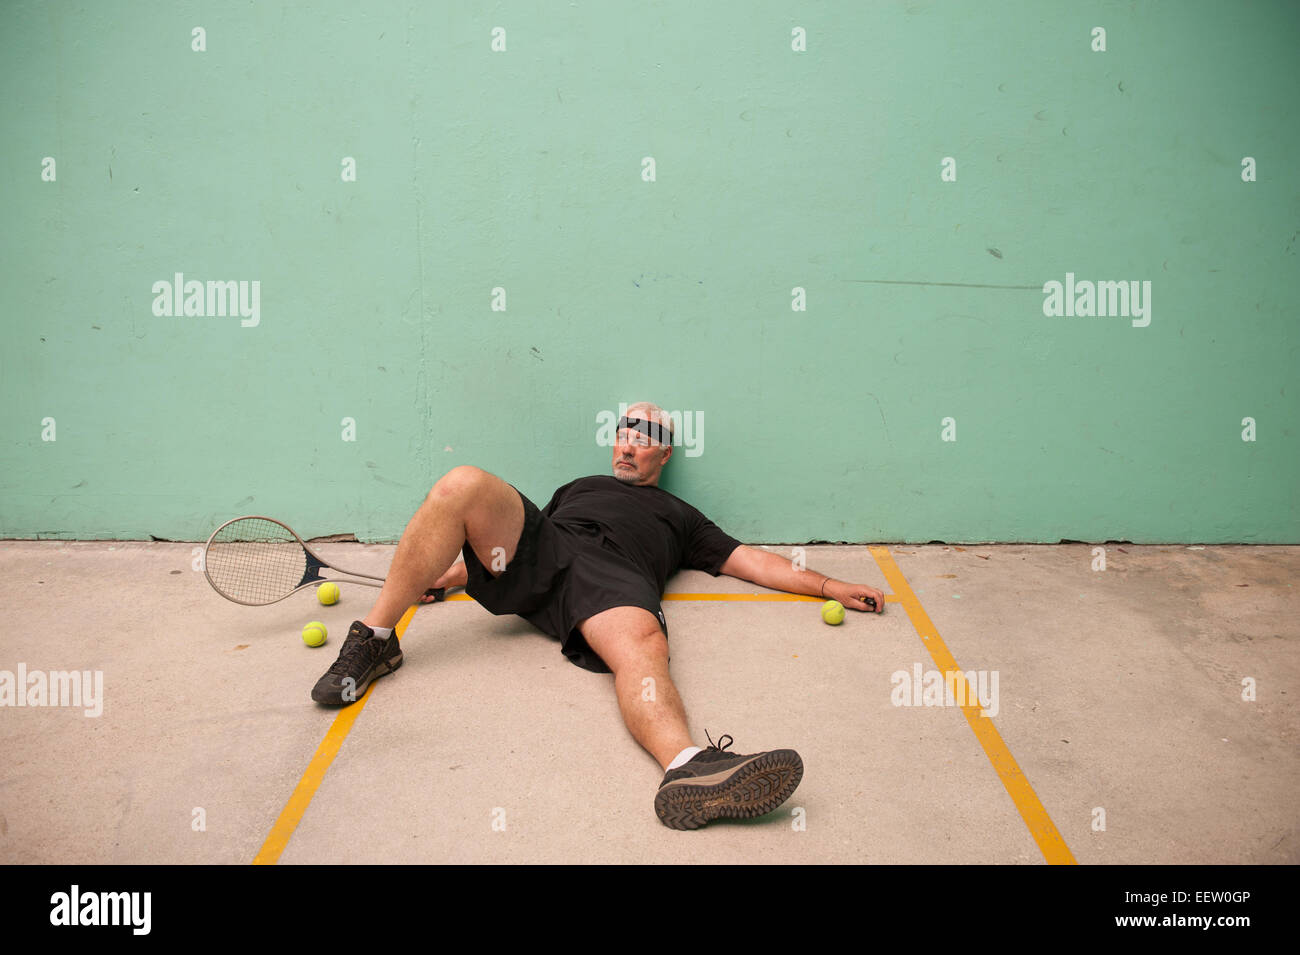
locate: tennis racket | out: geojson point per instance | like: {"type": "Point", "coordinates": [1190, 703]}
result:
{"type": "Point", "coordinates": [257, 561]}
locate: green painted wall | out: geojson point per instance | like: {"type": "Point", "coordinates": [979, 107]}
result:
{"type": "Point", "coordinates": [775, 169]}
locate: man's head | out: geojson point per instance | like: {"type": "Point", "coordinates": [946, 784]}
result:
{"type": "Point", "coordinates": [643, 445]}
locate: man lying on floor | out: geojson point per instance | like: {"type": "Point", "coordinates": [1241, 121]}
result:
{"type": "Point", "coordinates": [590, 570]}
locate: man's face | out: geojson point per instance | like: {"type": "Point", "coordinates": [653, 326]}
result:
{"type": "Point", "coordinates": [638, 458]}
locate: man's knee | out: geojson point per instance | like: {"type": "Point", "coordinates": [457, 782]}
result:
{"type": "Point", "coordinates": [626, 636]}
{"type": "Point", "coordinates": [460, 482]}
{"type": "Point", "coordinates": [649, 642]}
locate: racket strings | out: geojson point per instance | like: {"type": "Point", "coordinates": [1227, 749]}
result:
{"type": "Point", "coordinates": [255, 561]}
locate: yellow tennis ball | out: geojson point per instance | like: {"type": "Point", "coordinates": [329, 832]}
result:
{"type": "Point", "coordinates": [833, 612]}
{"type": "Point", "coordinates": [328, 593]}
{"type": "Point", "coordinates": [314, 633]}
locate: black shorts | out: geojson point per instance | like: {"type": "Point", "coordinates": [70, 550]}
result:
{"type": "Point", "coordinates": [558, 577]}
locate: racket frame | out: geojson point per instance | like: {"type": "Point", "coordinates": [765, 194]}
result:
{"type": "Point", "coordinates": [312, 575]}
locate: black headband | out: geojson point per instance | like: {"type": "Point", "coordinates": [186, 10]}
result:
{"type": "Point", "coordinates": [650, 429]}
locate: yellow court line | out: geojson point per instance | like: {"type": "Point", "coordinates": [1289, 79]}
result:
{"type": "Point", "coordinates": [741, 597]}
{"type": "Point", "coordinates": [1040, 824]}
{"type": "Point", "coordinates": [293, 810]}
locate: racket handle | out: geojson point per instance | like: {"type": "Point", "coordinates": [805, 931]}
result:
{"type": "Point", "coordinates": [437, 593]}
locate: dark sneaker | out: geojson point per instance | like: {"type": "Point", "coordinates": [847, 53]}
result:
{"type": "Point", "coordinates": [364, 657]}
{"type": "Point", "coordinates": [719, 785]}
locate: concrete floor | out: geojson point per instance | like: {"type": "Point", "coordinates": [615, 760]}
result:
{"type": "Point", "coordinates": [1119, 697]}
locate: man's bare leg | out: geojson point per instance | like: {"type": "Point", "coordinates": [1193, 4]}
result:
{"type": "Point", "coordinates": [713, 784]}
{"type": "Point", "coordinates": [466, 505]}
{"type": "Point", "coordinates": [466, 508]}
{"type": "Point", "coordinates": [631, 643]}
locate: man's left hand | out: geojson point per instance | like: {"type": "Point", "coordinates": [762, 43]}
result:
{"type": "Point", "coordinates": [853, 596]}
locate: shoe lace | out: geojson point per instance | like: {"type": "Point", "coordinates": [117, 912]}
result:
{"type": "Point", "coordinates": [348, 656]}
{"type": "Point", "coordinates": [719, 745]}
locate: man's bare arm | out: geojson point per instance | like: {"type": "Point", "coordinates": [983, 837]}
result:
{"type": "Point", "coordinates": [779, 573]}
{"type": "Point", "coordinates": [456, 576]}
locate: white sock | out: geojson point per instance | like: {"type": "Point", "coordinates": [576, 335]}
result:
{"type": "Point", "coordinates": [685, 756]}
{"type": "Point", "coordinates": [383, 632]}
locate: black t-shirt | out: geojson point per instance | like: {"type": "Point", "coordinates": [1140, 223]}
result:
{"type": "Point", "coordinates": [657, 531]}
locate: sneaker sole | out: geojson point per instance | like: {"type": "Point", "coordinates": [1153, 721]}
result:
{"type": "Point", "coordinates": [754, 789]}
{"type": "Point", "coordinates": [380, 669]}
